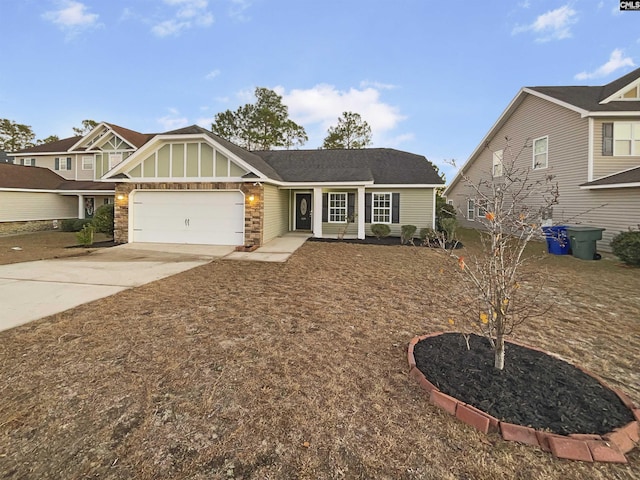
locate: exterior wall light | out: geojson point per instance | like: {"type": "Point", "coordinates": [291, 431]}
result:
{"type": "Point", "coordinates": [120, 197]}
{"type": "Point", "coordinates": [252, 198]}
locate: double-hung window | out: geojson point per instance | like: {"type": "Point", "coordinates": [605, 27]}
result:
{"type": "Point", "coordinates": [63, 163]}
{"type": "Point", "coordinates": [87, 162]}
{"type": "Point", "coordinates": [471, 209]}
{"type": "Point", "coordinates": [337, 207]}
{"type": "Point", "coordinates": [497, 163]}
{"type": "Point", "coordinates": [381, 208]}
{"type": "Point", "coordinates": [540, 153]}
{"type": "Point", "coordinates": [29, 162]}
{"type": "Point", "coordinates": [626, 138]}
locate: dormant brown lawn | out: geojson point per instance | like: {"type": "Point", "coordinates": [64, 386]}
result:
{"type": "Point", "coordinates": [283, 371]}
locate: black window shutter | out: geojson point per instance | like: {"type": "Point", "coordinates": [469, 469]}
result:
{"type": "Point", "coordinates": [68, 163]}
{"type": "Point", "coordinates": [367, 208]}
{"type": "Point", "coordinates": [57, 167]}
{"type": "Point", "coordinates": [33, 162]}
{"type": "Point", "coordinates": [351, 206]}
{"type": "Point", "coordinates": [607, 139]}
{"type": "Point", "coordinates": [325, 207]}
{"type": "Point", "coordinates": [395, 208]}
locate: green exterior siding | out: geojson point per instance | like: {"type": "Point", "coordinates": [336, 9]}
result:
{"type": "Point", "coordinates": [276, 212]}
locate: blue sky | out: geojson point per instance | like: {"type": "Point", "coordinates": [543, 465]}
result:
{"type": "Point", "coordinates": [429, 77]}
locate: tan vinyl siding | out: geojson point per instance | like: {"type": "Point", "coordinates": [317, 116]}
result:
{"type": "Point", "coordinates": [616, 210]}
{"type": "Point", "coordinates": [607, 165]}
{"type": "Point", "coordinates": [567, 156]}
{"type": "Point", "coordinates": [416, 208]}
{"type": "Point", "coordinates": [21, 206]}
{"type": "Point", "coordinates": [276, 212]}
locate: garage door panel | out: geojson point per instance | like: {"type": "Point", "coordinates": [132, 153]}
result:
{"type": "Point", "coordinates": [215, 218]}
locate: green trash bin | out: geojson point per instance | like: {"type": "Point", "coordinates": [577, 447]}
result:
{"type": "Point", "coordinates": [583, 241]}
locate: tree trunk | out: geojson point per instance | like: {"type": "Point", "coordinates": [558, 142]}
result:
{"type": "Point", "coordinates": [498, 359]}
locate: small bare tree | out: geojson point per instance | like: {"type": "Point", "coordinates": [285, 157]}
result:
{"type": "Point", "coordinates": [511, 206]}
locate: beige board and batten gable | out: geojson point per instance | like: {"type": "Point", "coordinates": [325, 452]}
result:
{"type": "Point", "coordinates": [185, 160]}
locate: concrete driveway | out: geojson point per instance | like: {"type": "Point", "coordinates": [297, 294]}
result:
{"type": "Point", "coordinates": [33, 290]}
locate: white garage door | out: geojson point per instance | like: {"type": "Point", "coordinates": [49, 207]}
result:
{"type": "Point", "coordinates": [195, 217]}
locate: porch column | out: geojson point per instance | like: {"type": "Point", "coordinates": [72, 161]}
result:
{"type": "Point", "coordinates": [361, 213]}
{"type": "Point", "coordinates": [80, 206]}
{"type": "Point", "coordinates": [317, 212]}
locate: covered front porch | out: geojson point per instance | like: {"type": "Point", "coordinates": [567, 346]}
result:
{"type": "Point", "coordinates": [336, 211]}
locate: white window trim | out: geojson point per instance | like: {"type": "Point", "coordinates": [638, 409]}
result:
{"type": "Point", "coordinates": [498, 155]}
{"type": "Point", "coordinates": [632, 152]}
{"type": "Point", "coordinates": [390, 208]}
{"type": "Point", "coordinates": [471, 209]}
{"type": "Point", "coordinates": [534, 153]}
{"type": "Point", "coordinates": [333, 195]}
{"type": "Point", "coordinates": [62, 163]}
{"type": "Point", "coordinates": [84, 159]}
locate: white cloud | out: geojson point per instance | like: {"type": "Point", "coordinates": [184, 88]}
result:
{"type": "Point", "coordinates": [173, 120]}
{"type": "Point", "coordinates": [378, 85]}
{"type": "Point", "coordinates": [553, 25]}
{"type": "Point", "coordinates": [238, 8]}
{"type": "Point", "coordinates": [212, 74]}
{"type": "Point", "coordinates": [616, 61]}
{"type": "Point", "coordinates": [320, 107]}
{"type": "Point", "coordinates": [188, 14]}
{"type": "Point", "coordinates": [71, 16]}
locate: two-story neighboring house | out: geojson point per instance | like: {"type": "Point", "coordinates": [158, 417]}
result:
{"type": "Point", "coordinates": [587, 137]}
{"type": "Point", "coordinates": [60, 180]}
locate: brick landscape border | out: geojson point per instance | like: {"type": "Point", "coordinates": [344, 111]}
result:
{"type": "Point", "coordinates": [611, 447]}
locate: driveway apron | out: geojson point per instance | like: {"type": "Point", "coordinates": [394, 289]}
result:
{"type": "Point", "coordinates": [33, 290]}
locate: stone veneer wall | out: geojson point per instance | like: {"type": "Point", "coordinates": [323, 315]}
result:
{"type": "Point", "coordinates": [8, 228]}
{"type": "Point", "coordinates": [253, 211]}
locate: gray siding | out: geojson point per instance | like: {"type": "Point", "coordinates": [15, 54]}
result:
{"type": "Point", "coordinates": [22, 206]}
{"type": "Point", "coordinates": [607, 165]}
{"type": "Point", "coordinates": [276, 212]}
{"type": "Point", "coordinates": [615, 210]}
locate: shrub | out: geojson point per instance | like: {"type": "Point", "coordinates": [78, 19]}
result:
{"type": "Point", "coordinates": [85, 236]}
{"type": "Point", "coordinates": [407, 233]}
{"type": "Point", "coordinates": [427, 233]}
{"type": "Point", "coordinates": [103, 219]}
{"type": "Point", "coordinates": [449, 226]}
{"type": "Point", "coordinates": [73, 224]}
{"type": "Point", "coordinates": [626, 246]}
{"type": "Point", "coordinates": [380, 230]}
{"type": "Point", "coordinates": [66, 225]}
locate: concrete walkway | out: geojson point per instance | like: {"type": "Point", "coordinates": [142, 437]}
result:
{"type": "Point", "coordinates": [33, 290]}
{"type": "Point", "coordinates": [277, 250]}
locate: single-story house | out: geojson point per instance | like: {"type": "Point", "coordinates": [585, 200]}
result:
{"type": "Point", "coordinates": [192, 186]}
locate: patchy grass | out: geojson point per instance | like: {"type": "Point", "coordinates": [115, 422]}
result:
{"type": "Point", "coordinates": [42, 245]}
{"type": "Point", "coordinates": [282, 371]}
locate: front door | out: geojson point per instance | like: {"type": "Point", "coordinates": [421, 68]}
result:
{"type": "Point", "coordinates": [303, 211]}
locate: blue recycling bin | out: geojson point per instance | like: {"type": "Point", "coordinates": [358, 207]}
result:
{"type": "Point", "coordinates": [557, 240]}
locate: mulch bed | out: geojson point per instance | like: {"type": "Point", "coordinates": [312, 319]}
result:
{"type": "Point", "coordinates": [392, 241]}
{"type": "Point", "coordinates": [105, 244]}
{"type": "Point", "coordinates": [534, 389]}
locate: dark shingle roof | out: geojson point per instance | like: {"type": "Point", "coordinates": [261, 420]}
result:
{"type": "Point", "coordinates": [380, 165]}
{"type": "Point", "coordinates": [60, 146]}
{"type": "Point", "coordinates": [628, 176]}
{"type": "Point", "coordinates": [136, 139]}
{"type": "Point", "coordinates": [39, 178]}
{"type": "Point", "coordinates": [589, 98]}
